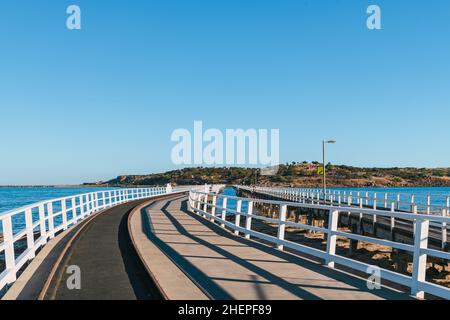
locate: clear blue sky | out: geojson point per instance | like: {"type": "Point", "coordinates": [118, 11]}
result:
{"type": "Point", "coordinates": [92, 104]}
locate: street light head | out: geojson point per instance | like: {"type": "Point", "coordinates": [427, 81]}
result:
{"type": "Point", "coordinates": [331, 141]}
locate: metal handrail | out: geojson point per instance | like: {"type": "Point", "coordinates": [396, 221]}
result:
{"type": "Point", "coordinates": [205, 204]}
{"type": "Point", "coordinates": [371, 198]}
{"type": "Point", "coordinates": [42, 219]}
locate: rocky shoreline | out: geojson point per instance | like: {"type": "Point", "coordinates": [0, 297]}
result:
{"type": "Point", "coordinates": [295, 175]}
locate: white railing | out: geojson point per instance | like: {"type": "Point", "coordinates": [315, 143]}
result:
{"type": "Point", "coordinates": [207, 205]}
{"type": "Point", "coordinates": [36, 223]}
{"type": "Point", "coordinates": [414, 203]}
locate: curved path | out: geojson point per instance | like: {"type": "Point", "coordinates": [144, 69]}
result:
{"type": "Point", "coordinates": [110, 268]}
{"type": "Point", "coordinates": [225, 266]}
{"type": "Point", "coordinates": [157, 249]}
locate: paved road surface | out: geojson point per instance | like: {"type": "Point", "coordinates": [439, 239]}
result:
{"type": "Point", "coordinates": [230, 267]}
{"type": "Point", "coordinates": [110, 269]}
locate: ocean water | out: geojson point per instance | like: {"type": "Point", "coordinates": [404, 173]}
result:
{"type": "Point", "coordinates": [439, 196]}
{"type": "Point", "coordinates": [231, 203]}
{"type": "Point", "coordinates": [13, 198]}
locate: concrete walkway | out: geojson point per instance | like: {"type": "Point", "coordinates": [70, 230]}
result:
{"type": "Point", "coordinates": [228, 267]}
{"type": "Point", "coordinates": [110, 269]}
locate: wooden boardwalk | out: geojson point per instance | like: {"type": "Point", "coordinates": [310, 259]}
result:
{"type": "Point", "coordinates": [225, 266]}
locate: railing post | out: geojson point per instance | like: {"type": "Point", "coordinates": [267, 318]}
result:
{"type": "Point", "coordinates": [74, 211]}
{"type": "Point", "coordinates": [414, 224]}
{"type": "Point", "coordinates": [385, 200]}
{"type": "Point", "coordinates": [51, 222]}
{"type": "Point", "coordinates": [444, 230]}
{"type": "Point", "coordinates": [30, 232]}
{"type": "Point", "coordinates": [82, 211]}
{"type": "Point", "coordinates": [428, 204]}
{"type": "Point", "coordinates": [213, 208]}
{"type": "Point", "coordinates": [91, 203]}
{"type": "Point", "coordinates": [198, 199]}
{"type": "Point", "coordinates": [237, 221]}
{"type": "Point", "coordinates": [64, 213]}
{"type": "Point", "coordinates": [281, 225]}
{"type": "Point", "coordinates": [374, 217]}
{"type": "Point", "coordinates": [104, 199]}
{"type": "Point", "coordinates": [331, 238]}
{"type": "Point", "coordinates": [392, 217]}
{"type": "Point", "coordinates": [248, 220]}
{"type": "Point", "coordinates": [88, 204]}
{"type": "Point", "coordinates": [110, 199]}
{"type": "Point", "coordinates": [224, 211]}
{"type": "Point", "coordinates": [10, 259]}
{"type": "Point", "coordinates": [97, 208]}
{"type": "Point", "coordinates": [205, 204]}
{"type": "Point", "coordinates": [375, 201]}
{"type": "Point", "coordinates": [448, 204]}
{"type": "Point", "coordinates": [190, 201]}
{"type": "Point", "coordinates": [42, 226]}
{"type": "Point", "coordinates": [420, 258]}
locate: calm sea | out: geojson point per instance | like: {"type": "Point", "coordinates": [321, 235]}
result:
{"type": "Point", "coordinates": [439, 195]}
{"type": "Point", "coordinates": [13, 198]}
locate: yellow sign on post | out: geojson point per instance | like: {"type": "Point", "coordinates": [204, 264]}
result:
{"type": "Point", "coordinates": [320, 170]}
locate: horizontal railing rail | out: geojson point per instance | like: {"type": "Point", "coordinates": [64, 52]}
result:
{"type": "Point", "coordinates": [427, 204]}
{"type": "Point", "coordinates": [208, 205]}
{"type": "Point", "coordinates": [35, 224]}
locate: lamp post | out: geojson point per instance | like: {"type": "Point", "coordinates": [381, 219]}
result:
{"type": "Point", "coordinates": [324, 168]}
